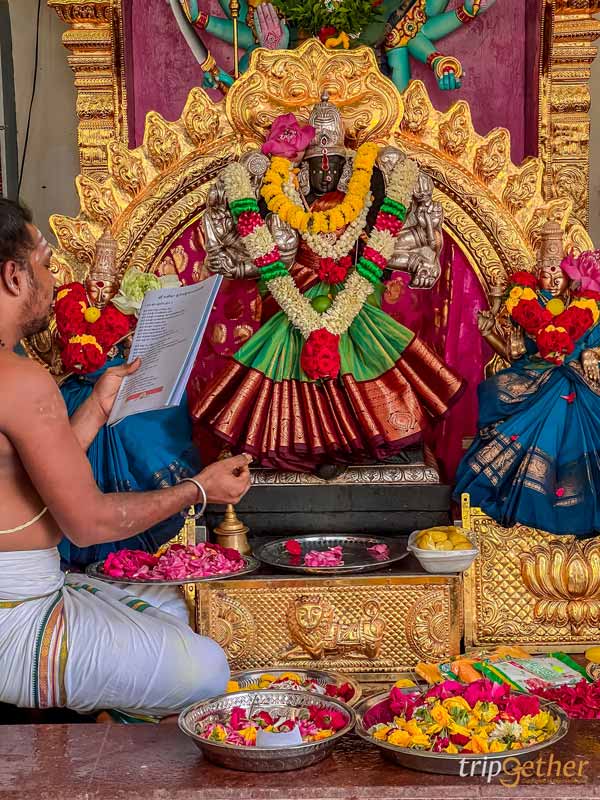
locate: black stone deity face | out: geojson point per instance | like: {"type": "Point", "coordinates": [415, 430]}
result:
{"type": "Point", "coordinates": [323, 181]}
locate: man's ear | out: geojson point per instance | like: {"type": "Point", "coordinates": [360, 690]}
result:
{"type": "Point", "coordinates": [12, 277]}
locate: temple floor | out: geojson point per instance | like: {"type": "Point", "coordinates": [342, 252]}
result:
{"type": "Point", "coordinates": [144, 762]}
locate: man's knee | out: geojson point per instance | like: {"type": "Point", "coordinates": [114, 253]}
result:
{"type": "Point", "coordinates": [208, 672]}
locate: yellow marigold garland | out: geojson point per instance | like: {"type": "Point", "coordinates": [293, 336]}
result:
{"type": "Point", "coordinates": [344, 213]}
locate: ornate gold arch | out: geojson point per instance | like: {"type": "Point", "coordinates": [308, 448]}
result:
{"type": "Point", "coordinates": [494, 209]}
{"type": "Point", "coordinates": [96, 54]}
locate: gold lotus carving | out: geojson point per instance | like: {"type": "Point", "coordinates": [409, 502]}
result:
{"type": "Point", "coordinates": [564, 576]}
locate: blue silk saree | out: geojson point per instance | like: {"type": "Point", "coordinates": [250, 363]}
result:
{"type": "Point", "coordinates": [536, 459]}
{"type": "Point", "coordinates": [144, 452]}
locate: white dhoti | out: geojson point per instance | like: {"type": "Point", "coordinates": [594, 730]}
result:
{"type": "Point", "coordinates": [87, 645]}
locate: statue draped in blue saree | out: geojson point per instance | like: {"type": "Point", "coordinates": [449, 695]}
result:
{"type": "Point", "coordinates": [147, 451]}
{"type": "Point", "coordinates": [536, 459]}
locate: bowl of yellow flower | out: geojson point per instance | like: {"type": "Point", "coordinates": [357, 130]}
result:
{"type": "Point", "coordinates": [325, 684]}
{"type": "Point", "coordinates": [267, 731]}
{"type": "Point", "coordinates": [443, 549]}
{"type": "Point", "coordinates": [455, 728]}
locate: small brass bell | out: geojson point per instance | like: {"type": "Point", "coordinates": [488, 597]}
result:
{"type": "Point", "coordinates": [233, 533]}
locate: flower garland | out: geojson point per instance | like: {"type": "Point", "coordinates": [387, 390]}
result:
{"type": "Point", "coordinates": [554, 327]}
{"type": "Point", "coordinates": [320, 356]}
{"type": "Point", "coordinates": [86, 333]}
{"type": "Point", "coordinates": [278, 176]}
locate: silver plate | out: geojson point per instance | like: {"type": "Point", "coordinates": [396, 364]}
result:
{"type": "Point", "coordinates": [447, 764]}
{"type": "Point", "coordinates": [251, 564]}
{"type": "Point", "coordinates": [262, 759]}
{"type": "Point", "coordinates": [320, 677]}
{"type": "Point", "coordinates": [356, 556]}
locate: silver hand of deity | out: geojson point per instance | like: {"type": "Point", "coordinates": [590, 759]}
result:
{"type": "Point", "coordinates": [590, 365]}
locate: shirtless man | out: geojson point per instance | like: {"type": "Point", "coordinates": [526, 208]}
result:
{"type": "Point", "coordinates": [75, 642]}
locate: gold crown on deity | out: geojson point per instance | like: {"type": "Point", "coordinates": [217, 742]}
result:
{"type": "Point", "coordinates": [105, 262]}
{"type": "Point", "coordinates": [329, 137]}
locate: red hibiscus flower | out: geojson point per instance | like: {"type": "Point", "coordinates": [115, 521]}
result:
{"type": "Point", "coordinates": [239, 719]}
{"type": "Point", "coordinates": [459, 739]}
{"type": "Point", "coordinates": [576, 321]}
{"type": "Point", "coordinates": [554, 345]}
{"type": "Point", "coordinates": [344, 692]}
{"type": "Point", "coordinates": [523, 278]}
{"type": "Point", "coordinates": [327, 33]}
{"type": "Point", "coordinates": [293, 547]}
{"type": "Point", "coordinates": [530, 315]}
{"type": "Point", "coordinates": [402, 704]}
{"type": "Point", "coordinates": [287, 138]}
{"type": "Point", "coordinates": [82, 358]}
{"type": "Point", "coordinates": [112, 326]}
{"type": "Point", "coordinates": [327, 718]}
{"type": "Point", "coordinates": [264, 719]}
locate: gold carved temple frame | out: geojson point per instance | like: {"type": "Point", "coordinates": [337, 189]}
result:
{"type": "Point", "coordinates": [95, 41]}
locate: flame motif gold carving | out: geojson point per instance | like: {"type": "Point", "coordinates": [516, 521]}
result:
{"type": "Point", "coordinates": [201, 120]}
{"type": "Point", "coordinates": [492, 157]}
{"type": "Point", "coordinates": [97, 201]}
{"type": "Point", "coordinates": [564, 576]}
{"type": "Point", "coordinates": [456, 130]}
{"type": "Point", "coordinates": [75, 237]}
{"type": "Point", "coordinates": [523, 186]}
{"type": "Point", "coordinates": [127, 170]}
{"type": "Point", "coordinates": [417, 109]}
{"type": "Point", "coordinates": [161, 141]}
{"type": "Point", "coordinates": [315, 629]}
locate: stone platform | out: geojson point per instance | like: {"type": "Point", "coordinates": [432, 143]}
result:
{"type": "Point", "coordinates": [144, 762]}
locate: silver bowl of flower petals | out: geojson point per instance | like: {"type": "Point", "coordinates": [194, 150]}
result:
{"type": "Point", "coordinates": [330, 684]}
{"type": "Point", "coordinates": [488, 765]}
{"type": "Point", "coordinates": [267, 731]}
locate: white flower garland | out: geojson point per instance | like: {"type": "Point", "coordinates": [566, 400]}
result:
{"type": "Point", "coordinates": [347, 303]}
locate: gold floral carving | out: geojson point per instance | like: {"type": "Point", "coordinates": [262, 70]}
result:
{"type": "Point", "coordinates": [277, 83]}
{"type": "Point", "coordinates": [425, 627]}
{"type": "Point", "coordinates": [234, 627]}
{"type": "Point", "coordinates": [161, 141]}
{"type": "Point", "coordinates": [492, 158]}
{"type": "Point", "coordinates": [127, 170]}
{"type": "Point", "coordinates": [523, 186]}
{"type": "Point", "coordinates": [201, 121]}
{"type": "Point", "coordinates": [456, 130]}
{"type": "Point", "coordinates": [564, 576]}
{"type": "Point", "coordinates": [316, 629]}
{"type": "Point", "coordinates": [416, 109]}
{"type": "Point", "coordinates": [530, 587]}
{"type": "Point", "coordinates": [97, 201]}
{"type": "Point", "coordinates": [75, 237]}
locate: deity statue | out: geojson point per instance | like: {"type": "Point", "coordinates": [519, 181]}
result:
{"type": "Point", "coordinates": [329, 378]}
{"type": "Point", "coordinates": [148, 451]}
{"type": "Point", "coordinates": [399, 29]}
{"type": "Point", "coordinates": [536, 459]}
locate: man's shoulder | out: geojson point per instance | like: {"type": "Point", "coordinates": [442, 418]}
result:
{"type": "Point", "coordinates": [20, 376]}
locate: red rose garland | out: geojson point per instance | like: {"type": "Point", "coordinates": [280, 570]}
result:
{"type": "Point", "coordinates": [555, 333]}
{"type": "Point", "coordinates": [86, 333]}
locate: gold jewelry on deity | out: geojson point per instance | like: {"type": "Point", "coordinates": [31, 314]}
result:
{"type": "Point", "coordinates": [447, 64]}
{"type": "Point", "coordinates": [209, 64]}
{"type": "Point", "coordinates": [201, 494]}
{"type": "Point", "coordinates": [464, 16]}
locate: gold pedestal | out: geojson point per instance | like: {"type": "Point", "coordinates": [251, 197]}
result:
{"type": "Point", "coordinates": [374, 627]}
{"type": "Point", "coordinates": [233, 533]}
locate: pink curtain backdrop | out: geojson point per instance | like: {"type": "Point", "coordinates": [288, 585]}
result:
{"type": "Point", "coordinates": [445, 318]}
{"type": "Point", "coordinates": [499, 53]}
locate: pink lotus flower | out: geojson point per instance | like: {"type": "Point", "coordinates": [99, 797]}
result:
{"type": "Point", "coordinates": [585, 269]}
{"type": "Point", "coordinates": [287, 138]}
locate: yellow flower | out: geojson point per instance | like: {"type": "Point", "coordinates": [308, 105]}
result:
{"type": "Point", "coordinates": [456, 702]}
{"type": "Point", "coordinates": [62, 293]}
{"type": "Point", "coordinates": [92, 314]}
{"type": "Point", "coordinates": [555, 306]}
{"type": "Point", "coordinates": [440, 715]}
{"type": "Point", "coordinates": [321, 735]}
{"type": "Point", "coordinates": [219, 733]}
{"type": "Point", "coordinates": [454, 727]}
{"type": "Point", "coordinates": [248, 734]}
{"type": "Point", "coordinates": [420, 740]}
{"type": "Point", "coordinates": [290, 676]}
{"type": "Point", "coordinates": [516, 292]}
{"type": "Point", "coordinates": [382, 733]}
{"type": "Point", "coordinates": [586, 302]}
{"type": "Point", "coordinates": [483, 713]}
{"type": "Point", "coordinates": [497, 747]}
{"type": "Point", "coordinates": [404, 683]}
{"type": "Point", "coordinates": [267, 677]}
{"type": "Point", "coordinates": [543, 720]}
{"type": "Point", "coordinates": [232, 686]}
{"type": "Point", "coordinates": [412, 727]}
{"type": "Point", "coordinates": [399, 738]}
{"type": "Point", "coordinates": [478, 745]}
{"type": "Point", "coordinates": [85, 339]}
{"type": "Point", "coordinates": [452, 749]}
{"type": "Point", "coordinates": [528, 294]}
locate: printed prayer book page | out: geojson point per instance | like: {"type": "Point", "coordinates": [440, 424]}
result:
{"type": "Point", "coordinates": [167, 338]}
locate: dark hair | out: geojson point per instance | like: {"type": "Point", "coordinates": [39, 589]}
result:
{"type": "Point", "coordinates": [15, 241]}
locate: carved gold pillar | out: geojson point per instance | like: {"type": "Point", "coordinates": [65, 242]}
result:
{"type": "Point", "coordinates": [565, 119]}
{"type": "Point", "coordinates": [95, 44]}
